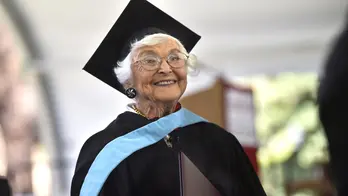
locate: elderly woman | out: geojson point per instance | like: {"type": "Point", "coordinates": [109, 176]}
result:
{"type": "Point", "coordinates": [141, 151]}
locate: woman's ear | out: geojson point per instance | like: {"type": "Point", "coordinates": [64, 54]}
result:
{"type": "Point", "coordinates": [128, 84]}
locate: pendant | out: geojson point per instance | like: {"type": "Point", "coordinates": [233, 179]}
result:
{"type": "Point", "coordinates": [168, 141]}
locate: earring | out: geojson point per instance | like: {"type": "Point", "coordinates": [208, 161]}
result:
{"type": "Point", "coordinates": [131, 93]}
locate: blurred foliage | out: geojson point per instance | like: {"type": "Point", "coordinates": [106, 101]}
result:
{"type": "Point", "coordinates": [292, 142]}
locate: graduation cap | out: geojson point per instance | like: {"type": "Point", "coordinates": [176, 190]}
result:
{"type": "Point", "coordinates": [140, 18]}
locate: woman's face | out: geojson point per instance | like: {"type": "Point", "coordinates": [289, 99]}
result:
{"type": "Point", "coordinates": [165, 84]}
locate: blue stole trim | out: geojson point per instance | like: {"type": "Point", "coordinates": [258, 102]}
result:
{"type": "Point", "coordinates": [120, 148]}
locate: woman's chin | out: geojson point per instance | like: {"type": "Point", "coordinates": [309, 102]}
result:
{"type": "Point", "coordinates": [167, 97]}
{"type": "Point", "coordinates": [168, 93]}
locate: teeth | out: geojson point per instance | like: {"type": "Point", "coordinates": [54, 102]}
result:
{"type": "Point", "coordinates": [165, 82]}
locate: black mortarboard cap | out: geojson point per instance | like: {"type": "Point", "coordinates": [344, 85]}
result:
{"type": "Point", "coordinates": [140, 18]}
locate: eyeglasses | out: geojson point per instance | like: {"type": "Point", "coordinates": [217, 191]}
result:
{"type": "Point", "coordinates": [153, 62]}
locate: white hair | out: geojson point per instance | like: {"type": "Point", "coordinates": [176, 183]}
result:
{"type": "Point", "coordinates": [123, 69]}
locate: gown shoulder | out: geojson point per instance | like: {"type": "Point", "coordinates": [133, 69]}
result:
{"type": "Point", "coordinates": [94, 144]}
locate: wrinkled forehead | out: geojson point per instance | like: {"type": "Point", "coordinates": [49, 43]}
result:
{"type": "Point", "coordinates": [163, 48]}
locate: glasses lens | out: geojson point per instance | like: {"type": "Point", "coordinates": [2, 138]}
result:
{"type": "Point", "coordinates": [150, 62]}
{"type": "Point", "coordinates": [177, 60]}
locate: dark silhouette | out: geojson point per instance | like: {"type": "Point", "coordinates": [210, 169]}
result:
{"type": "Point", "coordinates": [333, 109]}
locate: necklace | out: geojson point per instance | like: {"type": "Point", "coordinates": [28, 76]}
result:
{"type": "Point", "coordinates": [167, 138]}
{"type": "Point", "coordinates": [137, 111]}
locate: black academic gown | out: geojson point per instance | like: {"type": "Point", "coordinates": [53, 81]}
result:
{"type": "Point", "coordinates": [154, 170]}
{"type": "Point", "coordinates": [333, 109]}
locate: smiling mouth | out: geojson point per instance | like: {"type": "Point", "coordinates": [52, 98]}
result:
{"type": "Point", "coordinates": [165, 82]}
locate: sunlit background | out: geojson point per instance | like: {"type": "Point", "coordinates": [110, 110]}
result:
{"type": "Point", "coordinates": [273, 50]}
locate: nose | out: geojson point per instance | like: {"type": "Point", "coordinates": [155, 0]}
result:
{"type": "Point", "coordinates": [165, 68]}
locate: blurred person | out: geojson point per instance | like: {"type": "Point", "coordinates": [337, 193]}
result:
{"type": "Point", "coordinates": [138, 153]}
{"type": "Point", "coordinates": [333, 108]}
{"type": "Point", "coordinates": [9, 63]}
{"type": "Point", "coordinates": [15, 118]}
